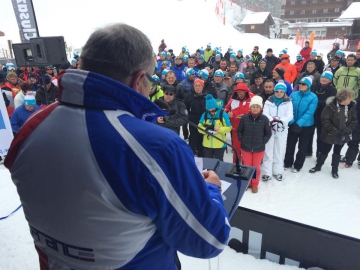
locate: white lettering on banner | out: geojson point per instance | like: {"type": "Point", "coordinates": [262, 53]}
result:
{"type": "Point", "coordinates": [26, 19]}
{"type": "Point", "coordinates": [6, 135]}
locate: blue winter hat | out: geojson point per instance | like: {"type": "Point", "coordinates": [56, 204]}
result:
{"type": "Point", "coordinates": [280, 86]}
{"type": "Point", "coordinates": [339, 52]}
{"type": "Point", "coordinates": [208, 46]}
{"type": "Point", "coordinates": [186, 57]}
{"type": "Point", "coordinates": [201, 57]}
{"type": "Point", "coordinates": [229, 49]}
{"type": "Point", "coordinates": [281, 54]}
{"type": "Point", "coordinates": [29, 99]}
{"type": "Point", "coordinates": [284, 51]}
{"type": "Point", "coordinates": [218, 56]}
{"type": "Point", "coordinates": [307, 80]}
{"type": "Point", "coordinates": [189, 72]}
{"type": "Point", "coordinates": [204, 73]}
{"type": "Point", "coordinates": [233, 56]}
{"type": "Point", "coordinates": [240, 51]}
{"type": "Point", "coordinates": [163, 53]}
{"type": "Point", "coordinates": [299, 56]}
{"type": "Point", "coordinates": [165, 72]}
{"type": "Point", "coordinates": [211, 102]}
{"type": "Point", "coordinates": [263, 60]}
{"type": "Point", "coordinates": [183, 48]}
{"type": "Point", "coordinates": [250, 59]}
{"type": "Point", "coordinates": [156, 78]}
{"type": "Point", "coordinates": [239, 75]}
{"type": "Point", "coordinates": [219, 72]}
{"type": "Point", "coordinates": [314, 53]}
{"type": "Point", "coordinates": [73, 61]}
{"type": "Point", "coordinates": [327, 74]}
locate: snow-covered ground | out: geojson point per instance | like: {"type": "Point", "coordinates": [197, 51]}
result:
{"type": "Point", "coordinates": [317, 200]}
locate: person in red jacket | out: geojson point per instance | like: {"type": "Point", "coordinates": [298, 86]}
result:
{"type": "Point", "coordinates": [237, 107]}
{"type": "Point", "coordinates": [299, 64]}
{"type": "Point", "coordinates": [290, 70]}
{"type": "Point", "coordinates": [306, 51]}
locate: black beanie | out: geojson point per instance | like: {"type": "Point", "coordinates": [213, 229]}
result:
{"type": "Point", "coordinates": [280, 71]}
{"type": "Point", "coordinates": [269, 50]}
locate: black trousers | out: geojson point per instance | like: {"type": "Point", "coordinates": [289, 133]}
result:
{"type": "Point", "coordinates": [217, 153]}
{"type": "Point", "coordinates": [293, 138]}
{"type": "Point", "coordinates": [185, 131]}
{"type": "Point", "coordinates": [353, 147]}
{"type": "Point", "coordinates": [195, 142]}
{"type": "Point", "coordinates": [319, 142]}
{"type": "Point", "coordinates": [326, 148]}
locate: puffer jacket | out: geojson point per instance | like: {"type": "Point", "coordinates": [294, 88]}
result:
{"type": "Point", "coordinates": [333, 122]}
{"type": "Point", "coordinates": [254, 132]}
{"type": "Point", "coordinates": [223, 124]}
{"type": "Point", "coordinates": [304, 105]}
{"type": "Point", "coordinates": [347, 77]}
{"type": "Point", "coordinates": [173, 121]}
{"type": "Point", "coordinates": [180, 89]}
{"type": "Point", "coordinates": [290, 70]}
{"type": "Point", "coordinates": [248, 72]}
{"type": "Point", "coordinates": [223, 91]}
{"type": "Point", "coordinates": [271, 62]}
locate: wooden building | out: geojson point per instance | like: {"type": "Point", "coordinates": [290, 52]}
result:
{"type": "Point", "coordinates": [258, 22]}
{"type": "Point", "coordinates": [314, 10]}
{"type": "Point", "coordinates": [351, 14]}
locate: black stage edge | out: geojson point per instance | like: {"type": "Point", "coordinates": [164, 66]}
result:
{"type": "Point", "coordinates": [288, 242]}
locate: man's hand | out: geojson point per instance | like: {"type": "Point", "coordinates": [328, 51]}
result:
{"type": "Point", "coordinates": [160, 120]}
{"type": "Point", "coordinates": [216, 129]}
{"type": "Point", "coordinates": [212, 178]}
{"type": "Point", "coordinates": [239, 116]}
{"type": "Point", "coordinates": [230, 114]}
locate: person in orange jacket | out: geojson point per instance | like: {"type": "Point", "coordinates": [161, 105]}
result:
{"type": "Point", "coordinates": [290, 70]}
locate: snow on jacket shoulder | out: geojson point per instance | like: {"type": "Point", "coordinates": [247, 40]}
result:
{"type": "Point", "coordinates": [129, 190]}
{"type": "Point", "coordinates": [304, 105]}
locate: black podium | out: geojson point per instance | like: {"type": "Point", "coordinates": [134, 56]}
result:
{"type": "Point", "coordinates": [237, 189]}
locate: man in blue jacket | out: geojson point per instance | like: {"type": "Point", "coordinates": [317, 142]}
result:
{"type": "Point", "coordinates": [179, 69]}
{"type": "Point", "coordinates": [188, 82]}
{"type": "Point", "coordinates": [115, 190]}
{"type": "Point", "coordinates": [300, 128]}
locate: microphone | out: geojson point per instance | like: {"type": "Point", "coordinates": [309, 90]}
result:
{"type": "Point", "coordinates": [234, 171]}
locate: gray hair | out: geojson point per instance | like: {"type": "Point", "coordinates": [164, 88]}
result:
{"type": "Point", "coordinates": [344, 94]}
{"type": "Point", "coordinates": [310, 64]}
{"type": "Point", "coordinates": [117, 51]}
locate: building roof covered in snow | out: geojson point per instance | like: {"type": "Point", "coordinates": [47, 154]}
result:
{"type": "Point", "coordinates": [320, 24]}
{"type": "Point", "coordinates": [351, 13]}
{"type": "Point", "coordinates": [257, 18]}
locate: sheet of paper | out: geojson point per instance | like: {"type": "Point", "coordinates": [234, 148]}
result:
{"type": "Point", "coordinates": [224, 186]}
{"type": "Point", "coordinates": [199, 164]}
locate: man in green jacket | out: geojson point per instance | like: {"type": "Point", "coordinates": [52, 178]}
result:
{"type": "Point", "coordinates": [208, 52]}
{"type": "Point", "coordinates": [349, 76]}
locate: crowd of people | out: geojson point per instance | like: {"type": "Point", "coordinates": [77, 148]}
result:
{"type": "Point", "coordinates": [267, 104]}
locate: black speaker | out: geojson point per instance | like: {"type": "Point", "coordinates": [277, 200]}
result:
{"type": "Point", "coordinates": [43, 51]}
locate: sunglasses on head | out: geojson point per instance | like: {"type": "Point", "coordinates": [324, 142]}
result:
{"type": "Point", "coordinates": [169, 94]}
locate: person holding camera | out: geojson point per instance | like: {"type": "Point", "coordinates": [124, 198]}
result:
{"type": "Point", "coordinates": [216, 121]}
{"type": "Point", "coordinates": [339, 119]}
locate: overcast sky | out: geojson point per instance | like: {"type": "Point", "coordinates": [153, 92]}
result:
{"type": "Point", "coordinates": [77, 19]}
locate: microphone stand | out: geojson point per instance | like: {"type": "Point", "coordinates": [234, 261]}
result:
{"type": "Point", "coordinates": [234, 171]}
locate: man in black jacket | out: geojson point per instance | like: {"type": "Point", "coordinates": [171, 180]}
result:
{"type": "Point", "coordinates": [263, 71]}
{"type": "Point", "coordinates": [170, 79]}
{"type": "Point", "coordinates": [271, 60]}
{"type": "Point", "coordinates": [195, 105]}
{"type": "Point", "coordinates": [174, 121]}
{"type": "Point", "coordinates": [256, 56]}
{"type": "Point", "coordinates": [209, 88]}
{"type": "Point", "coordinates": [318, 64]}
{"type": "Point", "coordinates": [51, 94]}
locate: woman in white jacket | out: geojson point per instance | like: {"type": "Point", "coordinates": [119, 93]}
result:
{"type": "Point", "coordinates": [279, 109]}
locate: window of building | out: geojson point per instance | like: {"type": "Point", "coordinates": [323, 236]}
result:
{"type": "Point", "coordinates": [317, 33]}
{"type": "Point", "coordinates": [303, 1]}
{"type": "Point", "coordinates": [325, 10]}
{"type": "Point", "coordinates": [323, 20]}
{"type": "Point", "coordinates": [312, 20]}
{"type": "Point", "coordinates": [252, 27]}
{"type": "Point", "coordinates": [303, 12]}
{"type": "Point", "coordinates": [282, 12]}
{"type": "Point", "coordinates": [337, 10]}
{"type": "Point", "coordinates": [293, 2]}
{"type": "Point", "coordinates": [313, 11]}
{"type": "Point", "coordinates": [291, 12]}
{"type": "Point", "coordinates": [323, 33]}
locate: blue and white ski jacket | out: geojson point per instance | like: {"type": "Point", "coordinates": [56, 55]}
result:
{"type": "Point", "coordinates": [104, 188]}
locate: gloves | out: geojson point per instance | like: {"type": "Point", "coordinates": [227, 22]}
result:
{"type": "Point", "coordinates": [277, 125]}
{"type": "Point", "coordinates": [295, 128]}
